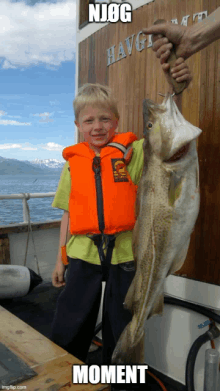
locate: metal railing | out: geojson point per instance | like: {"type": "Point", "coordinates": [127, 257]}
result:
{"type": "Point", "coordinates": [25, 197]}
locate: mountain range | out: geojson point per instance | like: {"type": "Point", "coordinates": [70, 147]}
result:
{"type": "Point", "coordinates": [35, 167]}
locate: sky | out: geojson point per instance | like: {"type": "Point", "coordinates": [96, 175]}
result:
{"type": "Point", "coordinates": [37, 78]}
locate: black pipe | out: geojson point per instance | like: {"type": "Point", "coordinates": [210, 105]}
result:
{"type": "Point", "coordinates": [191, 359]}
{"type": "Point", "coordinates": [213, 333]}
{"type": "Point", "coordinates": [200, 341]}
{"type": "Point", "coordinates": [193, 307]}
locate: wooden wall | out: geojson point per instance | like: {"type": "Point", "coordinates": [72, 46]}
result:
{"type": "Point", "coordinates": [84, 12]}
{"type": "Point", "coordinates": [139, 76]}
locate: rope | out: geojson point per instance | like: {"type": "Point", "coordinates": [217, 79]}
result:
{"type": "Point", "coordinates": [32, 236]}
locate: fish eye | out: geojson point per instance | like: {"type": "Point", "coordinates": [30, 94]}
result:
{"type": "Point", "coordinates": [149, 125]}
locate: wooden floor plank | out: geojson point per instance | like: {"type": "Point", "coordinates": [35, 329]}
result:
{"type": "Point", "coordinates": [57, 375]}
{"type": "Point", "coordinates": [22, 338]}
{"type": "Point", "coordinates": [52, 363]}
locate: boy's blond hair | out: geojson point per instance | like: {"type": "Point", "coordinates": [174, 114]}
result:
{"type": "Point", "coordinates": [94, 95]}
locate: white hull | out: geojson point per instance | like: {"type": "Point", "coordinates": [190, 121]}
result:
{"type": "Point", "coordinates": [46, 244]}
{"type": "Point", "coordinates": [168, 339]}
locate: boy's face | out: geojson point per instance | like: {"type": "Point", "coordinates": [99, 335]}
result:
{"type": "Point", "coordinates": [97, 124]}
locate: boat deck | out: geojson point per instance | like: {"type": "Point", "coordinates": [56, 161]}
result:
{"type": "Point", "coordinates": [37, 310]}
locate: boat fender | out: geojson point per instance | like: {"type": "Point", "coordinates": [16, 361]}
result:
{"type": "Point", "coordinates": [17, 281]}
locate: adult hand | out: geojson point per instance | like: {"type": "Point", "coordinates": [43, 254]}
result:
{"type": "Point", "coordinates": [180, 71]}
{"type": "Point", "coordinates": [178, 35]}
{"type": "Point", "coordinates": [187, 40]}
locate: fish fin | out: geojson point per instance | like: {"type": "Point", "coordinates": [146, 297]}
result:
{"type": "Point", "coordinates": [137, 356]}
{"type": "Point", "coordinates": [180, 259]}
{"type": "Point", "coordinates": [134, 292]}
{"type": "Point", "coordinates": [130, 346]}
{"type": "Point", "coordinates": [129, 298]}
{"type": "Point", "coordinates": [175, 188]}
{"type": "Point", "coordinates": [123, 350]}
{"type": "Point", "coordinates": [158, 306]}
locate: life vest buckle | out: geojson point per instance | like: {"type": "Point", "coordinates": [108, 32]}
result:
{"type": "Point", "coordinates": [99, 241]}
{"type": "Point", "coordinates": [96, 166]}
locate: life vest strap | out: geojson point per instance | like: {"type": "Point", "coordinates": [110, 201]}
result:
{"type": "Point", "coordinates": [119, 146]}
{"type": "Point", "coordinates": [126, 151]}
{"type": "Point", "coordinates": [99, 241]}
{"type": "Point", "coordinates": [96, 166]}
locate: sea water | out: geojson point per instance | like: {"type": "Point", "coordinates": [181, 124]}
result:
{"type": "Point", "coordinates": [11, 211]}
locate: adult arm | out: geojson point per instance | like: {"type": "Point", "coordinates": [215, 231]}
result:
{"type": "Point", "coordinates": [187, 40]}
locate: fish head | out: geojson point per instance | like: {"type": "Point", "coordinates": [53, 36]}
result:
{"type": "Point", "coordinates": [152, 130]}
{"type": "Point", "coordinates": [167, 134]}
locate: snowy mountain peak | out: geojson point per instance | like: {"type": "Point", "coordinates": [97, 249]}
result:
{"type": "Point", "coordinates": [49, 163]}
{"type": "Point", "coordinates": [40, 167]}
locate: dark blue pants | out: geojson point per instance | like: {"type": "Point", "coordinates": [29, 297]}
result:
{"type": "Point", "coordinates": [78, 305]}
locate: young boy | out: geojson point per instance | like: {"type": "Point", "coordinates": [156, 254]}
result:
{"type": "Point", "coordinates": [97, 192]}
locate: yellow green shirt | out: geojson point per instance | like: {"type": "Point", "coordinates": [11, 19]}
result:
{"type": "Point", "coordinates": [80, 246]}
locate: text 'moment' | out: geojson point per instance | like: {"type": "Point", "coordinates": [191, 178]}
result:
{"type": "Point", "coordinates": [109, 374]}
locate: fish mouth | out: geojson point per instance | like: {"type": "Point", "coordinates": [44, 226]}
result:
{"type": "Point", "coordinates": [181, 153]}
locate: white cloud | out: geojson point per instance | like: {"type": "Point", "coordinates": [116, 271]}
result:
{"type": "Point", "coordinates": [10, 146]}
{"type": "Point", "coordinates": [29, 149]}
{"type": "Point", "coordinates": [53, 147]}
{"type": "Point", "coordinates": [46, 114]}
{"type": "Point", "coordinates": [54, 102]}
{"type": "Point", "coordinates": [46, 120]}
{"type": "Point", "coordinates": [25, 147]}
{"type": "Point", "coordinates": [45, 117]}
{"type": "Point", "coordinates": [2, 113]}
{"type": "Point", "coordinates": [11, 122]}
{"type": "Point", "coordinates": [40, 34]}
{"type": "Point", "coordinates": [7, 65]}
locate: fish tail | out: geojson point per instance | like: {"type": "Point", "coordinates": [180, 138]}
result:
{"type": "Point", "coordinates": [123, 348]}
{"type": "Point", "coordinates": [124, 352]}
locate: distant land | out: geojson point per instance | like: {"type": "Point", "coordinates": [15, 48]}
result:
{"type": "Point", "coordinates": [35, 167]}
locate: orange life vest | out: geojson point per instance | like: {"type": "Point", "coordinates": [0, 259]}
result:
{"type": "Point", "coordinates": [110, 193]}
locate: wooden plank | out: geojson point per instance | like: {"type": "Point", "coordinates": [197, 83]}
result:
{"type": "Point", "coordinates": [191, 113]}
{"type": "Point", "coordinates": [25, 342]}
{"type": "Point", "coordinates": [4, 250]}
{"type": "Point", "coordinates": [79, 65]}
{"type": "Point", "coordinates": [57, 375]}
{"type": "Point", "coordinates": [84, 12]}
{"type": "Point", "coordinates": [19, 228]}
{"type": "Point", "coordinates": [92, 56]}
{"type": "Point", "coordinates": [52, 363]}
{"type": "Point", "coordinates": [202, 259]}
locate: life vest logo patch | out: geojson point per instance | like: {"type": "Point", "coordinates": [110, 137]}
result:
{"type": "Point", "coordinates": [119, 170]}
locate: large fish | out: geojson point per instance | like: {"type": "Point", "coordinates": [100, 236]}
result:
{"type": "Point", "coordinates": [167, 209]}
